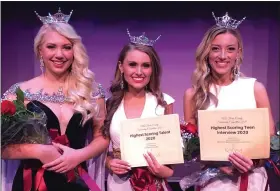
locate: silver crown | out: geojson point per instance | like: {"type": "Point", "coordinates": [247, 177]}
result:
{"type": "Point", "coordinates": [227, 22]}
{"type": "Point", "coordinates": [58, 17]}
{"type": "Point", "coordinates": [142, 39]}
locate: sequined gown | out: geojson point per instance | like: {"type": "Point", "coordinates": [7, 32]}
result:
{"type": "Point", "coordinates": [77, 136]}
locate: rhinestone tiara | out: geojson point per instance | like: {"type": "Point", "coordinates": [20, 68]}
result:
{"type": "Point", "coordinates": [58, 17]}
{"type": "Point", "coordinates": [227, 22]}
{"type": "Point", "coordinates": [142, 39]}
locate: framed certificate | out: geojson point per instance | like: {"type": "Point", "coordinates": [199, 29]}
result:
{"type": "Point", "coordinates": [222, 132]}
{"type": "Point", "coordinates": [159, 135]}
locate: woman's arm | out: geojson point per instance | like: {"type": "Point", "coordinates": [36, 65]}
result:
{"type": "Point", "coordinates": [188, 106]}
{"type": "Point", "coordinates": [262, 101]}
{"type": "Point", "coordinates": [99, 143]}
{"type": "Point", "coordinates": [44, 153]}
{"type": "Point", "coordinates": [22, 151]}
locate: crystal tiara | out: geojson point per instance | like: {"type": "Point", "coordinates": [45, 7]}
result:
{"type": "Point", "coordinates": [227, 22]}
{"type": "Point", "coordinates": [58, 17]}
{"type": "Point", "coordinates": [142, 39]}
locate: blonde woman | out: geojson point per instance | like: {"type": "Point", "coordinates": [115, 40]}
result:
{"type": "Point", "coordinates": [67, 93]}
{"type": "Point", "coordinates": [218, 84]}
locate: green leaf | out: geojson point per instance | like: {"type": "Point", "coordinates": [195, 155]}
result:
{"type": "Point", "coordinates": [20, 95]}
{"type": "Point", "coordinates": [19, 105]}
{"type": "Point", "coordinates": [191, 147]}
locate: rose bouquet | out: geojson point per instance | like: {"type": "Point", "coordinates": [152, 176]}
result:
{"type": "Point", "coordinates": [22, 125]}
{"type": "Point", "coordinates": [190, 138]}
{"type": "Point", "coordinates": [191, 150]}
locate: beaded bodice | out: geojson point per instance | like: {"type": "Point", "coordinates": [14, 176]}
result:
{"type": "Point", "coordinates": [56, 97]}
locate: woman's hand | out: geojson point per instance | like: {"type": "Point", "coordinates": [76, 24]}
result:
{"type": "Point", "coordinates": [229, 170]}
{"type": "Point", "coordinates": [48, 153]}
{"type": "Point", "coordinates": [155, 168]}
{"type": "Point", "coordinates": [67, 161]}
{"type": "Point", "coordinates": [241, 163]}
{"type": "Point", "coordinates": [118, 166]}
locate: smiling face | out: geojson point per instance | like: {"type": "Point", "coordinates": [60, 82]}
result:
{"type": "Point", "coordinates": [57, 52]}
{"type": "Point", "coordinates": [224, 52]}
{"type": "Point", "coordinates": [136, 69]}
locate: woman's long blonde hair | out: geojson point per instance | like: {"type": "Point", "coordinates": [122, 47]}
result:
{"type": "Point", "coordinates": [202, 78]}
{"type": "Point", "coordinates": [81, 78]}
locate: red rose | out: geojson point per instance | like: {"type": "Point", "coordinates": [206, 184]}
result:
{"type": "Point", "coordinates": [183, 127]}
{"type": "Point", "coordinates": [8, 107]}
{"type": "Point", "coordinates": [191, 128]}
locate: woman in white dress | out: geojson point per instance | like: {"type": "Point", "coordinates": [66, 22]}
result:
{"type": "Point", "coordinates": [218, 84]}
{"type": "Point", "coordinates": [136, 93]}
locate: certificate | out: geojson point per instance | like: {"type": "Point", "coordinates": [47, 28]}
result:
{"type": "Point", "coordinates": [222, 132]}
{"type": "Point", "coordinates": [159, 135]}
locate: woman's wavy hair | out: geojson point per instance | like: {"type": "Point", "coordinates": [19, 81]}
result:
{"type": "Point", "coordinates": [80, 79]}
{"type": "Point", "coordinates": [117, 93]}
{"type": "Point", "coordinates": [201, 78]}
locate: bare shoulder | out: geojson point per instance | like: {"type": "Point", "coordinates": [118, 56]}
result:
{"type": "Point", "coordinates": [259, 91]}
{"type": "Point", "coordinates": [11, 92]}
{"type": "Point", "coordinates": [260, 94]}
{"type": "Point", "coordinates": [188, 105]}
{"type": "Point", "coordinates": [189, 93]}
{"type": "Point", "coordinates": [259, 87]}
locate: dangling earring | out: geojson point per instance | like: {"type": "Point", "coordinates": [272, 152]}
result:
{"type": "Point", "coordinates": [237, 62]}
{"type": "Point", "coordinates": [42, 65]}
{"type": "Point", "coordinates": [236, 72]}
{"type": "Point", "coordinates": [122, 84]}
{"type": "Point", "coordinates": [207, 69]}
